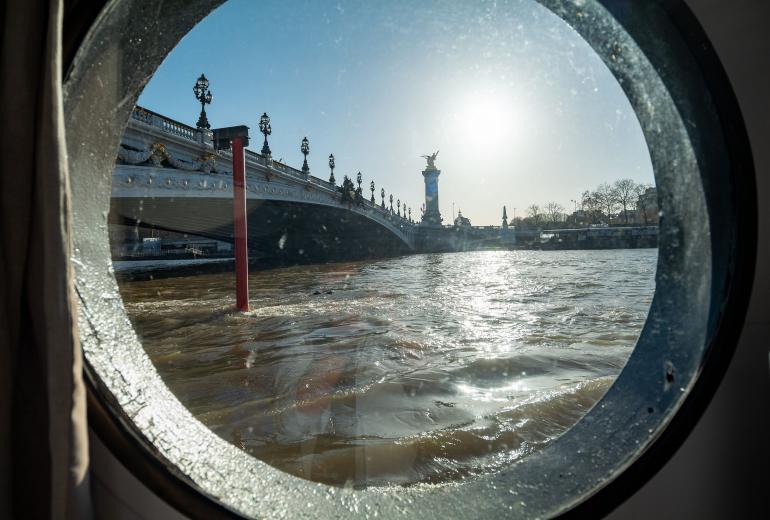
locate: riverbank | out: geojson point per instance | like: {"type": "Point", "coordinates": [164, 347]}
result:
{"type": "Point", "coordinates": [159, 268]}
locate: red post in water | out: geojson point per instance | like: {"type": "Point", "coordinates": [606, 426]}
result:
{"type": "Point", "coordinates": [239, 225]}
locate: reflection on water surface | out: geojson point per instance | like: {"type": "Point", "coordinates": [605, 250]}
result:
{"type": "Point", "coordinates": [416, 369]}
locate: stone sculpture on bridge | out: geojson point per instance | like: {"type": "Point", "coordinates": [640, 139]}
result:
{"type": "Point", "coordinates": [431, 160]}
{"type": "Point", "coordinates": [348, 190]}
{"type": "Point", "coordinates": [157, 154]}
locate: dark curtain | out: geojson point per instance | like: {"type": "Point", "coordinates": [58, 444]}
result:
{"type": "Point", "coordinates": [43, 431]}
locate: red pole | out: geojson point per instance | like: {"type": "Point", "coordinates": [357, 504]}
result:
{"type": "Point", "coordinates": [239, 225]}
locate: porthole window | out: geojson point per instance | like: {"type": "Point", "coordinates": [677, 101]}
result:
{"type": "Point", "coordinates": [384, 347]}
{"type": "Point", "coordinates": [392, 364]}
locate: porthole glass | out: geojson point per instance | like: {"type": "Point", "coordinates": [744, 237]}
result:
{"type": "Point", "coordinates": [474, 363]}
{"type": "Point", "coordinates": [384, 347]}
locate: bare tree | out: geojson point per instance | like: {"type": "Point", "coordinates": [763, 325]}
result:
{"type": "Point", "coordinates": [553, 212]}
{"type": "Point", "coordinates": [590, 206]}
{"type": "Point", "coordinates": [599, 205]}
{"type": "Point", "coordinates": [535, 216]}
{"type": "Point", "coordinates": [625, 192]}
{"type": "Point", "coordinates": [607, 199]}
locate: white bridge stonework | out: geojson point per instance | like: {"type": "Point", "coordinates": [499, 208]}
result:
{"type": "Point", "coordinates": [150, 140]}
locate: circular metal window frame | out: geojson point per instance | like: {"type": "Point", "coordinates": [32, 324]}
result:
{"type": "Point", "coordinates": [704, 173]}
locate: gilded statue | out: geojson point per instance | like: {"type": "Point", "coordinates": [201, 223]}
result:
{"type": "Point", "coordinates": [431, 160]}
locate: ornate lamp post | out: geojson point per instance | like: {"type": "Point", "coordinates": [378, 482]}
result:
{"type": "Point", "coordinates": [382, 194]}
{"type": "Point", "coordinates": [398, 205]}
{"type": "Point", "coordinates": [391, 203]}
{"type": "Point", "coordinates": [359, 179]}
{"type": "Point", "coordinates": [331, 167]}
{"type": "Point", "coordinates": [203, 94]}
{"type": "Point", "coordinates": [371, 187]}
{"type": "Point", "coordinates": [305, 149]}
{"type": "Point", "coordinates": [266, 129]}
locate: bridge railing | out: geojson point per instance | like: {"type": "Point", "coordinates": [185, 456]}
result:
{"type": "Point", "coordinates": [140, 114]}
{"type": "Point", "coordinates": [280, 167]}
{"type": "Point", "coordinates": [179, 129]}
{"type": "Point", "coordinates": [166, 124]}
{"type": "Point", "coordinates": [324, 184]}
{"type": "Point", "coordinates": [297, 174]}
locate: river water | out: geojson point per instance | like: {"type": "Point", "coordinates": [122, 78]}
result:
{"type": "Point", "coordinates": [423, 368]}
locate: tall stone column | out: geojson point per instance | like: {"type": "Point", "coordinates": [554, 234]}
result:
{"type": "Point", "coordinates": [432, 216]}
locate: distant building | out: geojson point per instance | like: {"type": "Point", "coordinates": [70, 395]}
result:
{"type": "Point", "coordinates": [462, 222]}
{"type": "Point", "coordinates": [577, 218]}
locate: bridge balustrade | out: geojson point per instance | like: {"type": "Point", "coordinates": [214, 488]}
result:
{"type": "Point", "coordinates": [142, 115]}
{"type": "Point", "coordinates": [175, 128]}
{"type": "Point", "coordinates": [166, 124]}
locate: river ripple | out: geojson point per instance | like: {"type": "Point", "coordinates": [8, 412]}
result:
{"type": "Point", "coordinates": [424, 368]}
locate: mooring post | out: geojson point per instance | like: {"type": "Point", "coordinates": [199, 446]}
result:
{"type": "Point", "coordinates": [239, 223]}
{"type": "Point", "coordinates": [237, 138]}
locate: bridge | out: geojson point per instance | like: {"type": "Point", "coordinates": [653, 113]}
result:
{"type": "Point", "coordinates": [169, 176]}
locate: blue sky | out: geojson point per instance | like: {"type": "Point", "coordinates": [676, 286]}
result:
{"type": "Point", "coordinates": [520, 107]}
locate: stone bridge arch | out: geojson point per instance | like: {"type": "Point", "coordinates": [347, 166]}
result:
{"type": "Point", "coordinates": [168, 176]}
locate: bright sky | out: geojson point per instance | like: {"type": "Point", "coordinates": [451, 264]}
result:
{"type": "Point", "coordinates": [520, 107]}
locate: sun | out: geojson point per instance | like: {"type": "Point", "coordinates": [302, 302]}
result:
{"type": "Point", "coordinates": [486, 119]}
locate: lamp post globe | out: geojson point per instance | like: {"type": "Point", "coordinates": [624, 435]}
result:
{"type": "Point", "coordinates": [305, 149]}
{"type": "Point", "coordinates": [204, 95]}
{"type": "Point", "coordinates": [266, 129]}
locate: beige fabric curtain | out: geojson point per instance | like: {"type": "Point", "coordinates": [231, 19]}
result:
{"type": "Point", "coordinates": [43, 429]}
